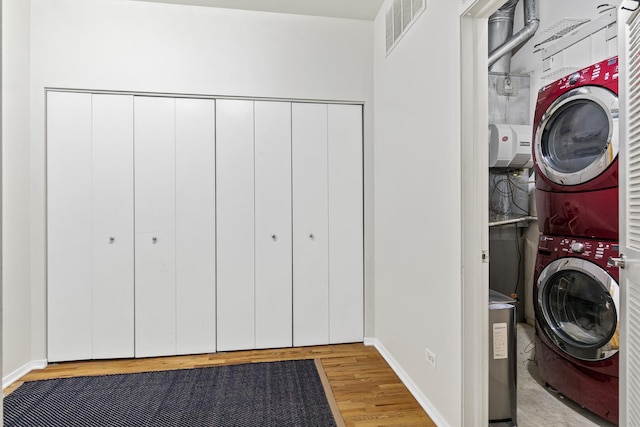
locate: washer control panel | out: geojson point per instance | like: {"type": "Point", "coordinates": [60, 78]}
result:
{"type": "Point", "coordinates": [592, 249]}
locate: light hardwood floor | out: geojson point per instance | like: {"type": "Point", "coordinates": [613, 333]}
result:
{"type": "Point", "coordinates": [366, 389]}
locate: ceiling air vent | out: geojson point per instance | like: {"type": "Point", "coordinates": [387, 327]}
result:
{"type": "Point", "coordinates": [406, 14]}
{"type": "Point", "coordinates": [389, 22]}
{"type": "Point", "coordinates": [399, 18]}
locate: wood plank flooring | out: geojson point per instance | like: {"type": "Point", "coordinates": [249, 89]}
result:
{"type": "Point", "coordinates": [366, 389]}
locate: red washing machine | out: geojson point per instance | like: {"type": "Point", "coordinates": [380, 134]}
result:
{"type": "Point", "coordinates": [575, 152]}
{"type": "Point", "coordinates": [576, 298]}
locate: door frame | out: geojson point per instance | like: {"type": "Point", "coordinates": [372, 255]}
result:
{"type": "Point", "coordinates": [474, 117]}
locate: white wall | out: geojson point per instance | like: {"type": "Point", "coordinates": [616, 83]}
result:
{"type": "Point", "coordinates": [139, 46]}
{"type": "Point", "coordinates": [16, 277]}
{"type": "Point", "coordinates": [417, 205]}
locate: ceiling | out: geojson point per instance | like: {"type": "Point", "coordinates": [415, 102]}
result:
{"type": "Point", "coordinates": [351, 9]}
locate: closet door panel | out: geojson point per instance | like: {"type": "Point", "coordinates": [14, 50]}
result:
{"type": "Point", "coordinates": [235, 225]}
{"type": "Point", "coordinates": [273, 277]}
{"type": "Point", "coordinates": [310, 225]}
{"type": "Point", "coordinates": [112, 206]}
{"type": "Point", "coordinates": [69, 226]}
{"type": "Point", "coordinates": [345, 224]}
{"type": "Point", "coordinates": [195, 226]}
{"type": "Point", "coordinates": [155, 310]}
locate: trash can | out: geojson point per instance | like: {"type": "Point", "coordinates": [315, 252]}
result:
{"type": "Point", "coordinates": [502, 360]}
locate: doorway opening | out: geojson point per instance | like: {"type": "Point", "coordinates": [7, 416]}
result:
{"type": "Point", "coordinates": [498, 226]}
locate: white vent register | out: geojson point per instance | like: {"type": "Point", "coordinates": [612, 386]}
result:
{"type": "Point", "coordinates": [399, 18]}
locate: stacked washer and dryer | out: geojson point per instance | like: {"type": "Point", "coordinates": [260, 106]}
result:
{"type": "Point", "coordinates": [576, 292]}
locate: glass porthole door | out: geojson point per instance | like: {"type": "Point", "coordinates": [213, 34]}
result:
{"type": "Point", "coordinates": [577, 307]}
{"type": "Point", "coordinates": [577, 138]}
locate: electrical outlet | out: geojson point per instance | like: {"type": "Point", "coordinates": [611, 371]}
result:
{"type": "Point", "coordinates": [431, 357]}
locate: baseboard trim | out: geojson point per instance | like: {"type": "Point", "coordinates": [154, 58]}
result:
{"type": "Point", "coordinates": [14, 376]}
{"type": "Point", "coordinates": [426, 404]}
{"type": "Point", "coordinates": [370, 341]}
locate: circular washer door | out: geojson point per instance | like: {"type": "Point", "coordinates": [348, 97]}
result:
{"type": "Point", "coordinates": [577, 307]}
{"type": "Point", "coordinates": [577, 138]}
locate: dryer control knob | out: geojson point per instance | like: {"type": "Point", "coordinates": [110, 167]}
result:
{"type": "Point", "coordinates": [577, 247]}
{"type": "Point", "coordinates": [574, 78]}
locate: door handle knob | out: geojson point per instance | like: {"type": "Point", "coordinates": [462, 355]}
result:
{"type": "Point", "coordinates": [154, 240]}
{"type": "Point", "coordinates": [274, 237]}
{"type": "Point", "coordinates": [617, 262]}
{"type": "Point", "coordinates": [311, 236]}
{"type": "Point", "coordinates": [112, 239]}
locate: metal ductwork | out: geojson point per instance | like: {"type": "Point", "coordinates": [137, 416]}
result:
{"type": "Point", "coordinates": [502, 41]}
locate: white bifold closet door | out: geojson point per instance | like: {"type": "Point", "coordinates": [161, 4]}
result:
{"type": "Point", "coordinates": [273, 224]}
{"type": "Point", "coordinates": [155, 241]}
{"type": "Point", "coordinates": [113, 238]}
{"type": "Point", "coordinates": [310, 225]}
{"type": "Point", "coordinates": [175, 226]}
{"type": "Point", "coordinates": [89, 226]}
{"type": "Point", "coordinates": [346, 250]}
{"type": "Point", "coordinates": [195, 226]}
{"type": "Point", "coordinates": [254, 224]}
{"type": "Point", "coordinates": [235, 225]}
{"type": "Point", "coordinates": [327, 224]}
{"type": "Point", "coordinates": [97, 208]}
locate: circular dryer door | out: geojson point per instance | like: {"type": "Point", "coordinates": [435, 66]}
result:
{"type": "Point", "coordinates": [577, 138]}
{"type": "Point", "coordinates": [577, 307]}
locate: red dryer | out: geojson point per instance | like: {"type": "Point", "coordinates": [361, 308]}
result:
{"type": "Point", "coordinates": [576, 299]}
{"type": "Point", "coordinates": [575, 152]}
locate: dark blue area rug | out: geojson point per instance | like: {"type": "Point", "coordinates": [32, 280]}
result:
{"type": "Point", "coordinates": [270, 394]}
